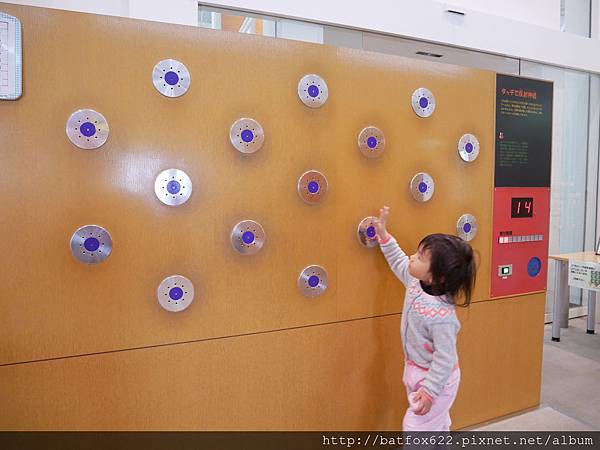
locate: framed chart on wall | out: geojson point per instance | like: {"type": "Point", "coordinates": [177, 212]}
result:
{"type": "Point", "coordinates": [10, 58]}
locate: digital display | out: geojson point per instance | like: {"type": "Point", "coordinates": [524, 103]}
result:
{"type": "Point", "coordinates": [521, 207]}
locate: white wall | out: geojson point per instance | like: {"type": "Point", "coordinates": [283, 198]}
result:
{"type": "Point", "coordinates": [108, 7]}
{"type": "Point", "coordinates": [494, 27]}
{"type": "Point", "coordinates": [544, 13]}
{"type": "Point", "coordinates": [428, 20]}
{"type": "Point", "coordinates": [174, 11]}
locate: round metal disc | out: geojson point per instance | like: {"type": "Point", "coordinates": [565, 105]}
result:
{"type": "Point", "coordinates": [173, 187]}
{"type": "Point", "coordinates": [87, 129]}
{"type": "Point", "coordinates": [422, 187]}
{"type": "Point", "coordinates": [312, 281]}
{"type": "Point", "coordinates": [371, 142]}
{"type": "Point", "coordinates": [466, 227]}
{"type": "Point", "coordinates": [246, 135]}
{"type": "Point", "coordinates": [313, 91]}
{"type": "Point", "coordinates": [367, 235]}
{"type": "Point", "coordinates": [468, 147]}
{"type": "Point", "coordinates": [248, 237]}
{"type": "Point", "coordinates": [91, 244]}
{"type": "Point", "coordinates": [423, 102]}
{"type": "Point", "coordinates": [171, 78]}
{"type": "Point", "coordinates": [312, 186]}
{"type": "Point", "coordinates": [175, 293]}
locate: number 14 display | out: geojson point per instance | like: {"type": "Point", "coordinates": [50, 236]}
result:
{"type": "Point", "coordinates": [521, 207]}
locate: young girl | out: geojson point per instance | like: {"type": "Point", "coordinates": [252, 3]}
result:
{"type": "Point", "coordinates": [442, 268]}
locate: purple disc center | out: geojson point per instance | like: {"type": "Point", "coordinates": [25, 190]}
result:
{"type": "Point", "coordinates": [313, 90]}
{"type": "Point", "coordinates": [422, 187]}
{"type": "Point", "coordinates": [91, 244]}
{"type": "Point", "coordinates": [247, 136]}
{"type": "Point", "coordinates": [371, 231]}
{"type": "Point", "coordinates": [171, 78]}
{"type": "Point", "coordinates": [313, 281]}
{"type": "Point", "coordinates": [469, 147]}
{"type": "Point", "coordinates": [248, 237]}
{"type": "Point", "coordinates": [313, 187]}
{"type": "Point", "coordinates": [423, 102]}
{"type": "Point", "coordinates": [467, 227]}
{"type": "Point", "coordinates": [176, 293]}
{"type": "Point", "coordinates": [372, 142]}
{"type": "Point", "coordinates": [87, 129]}
{"type": "Point", "coordinates": [173, 187]}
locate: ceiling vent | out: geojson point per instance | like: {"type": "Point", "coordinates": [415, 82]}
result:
{"type": "Point", "coordinates": [433, 55]}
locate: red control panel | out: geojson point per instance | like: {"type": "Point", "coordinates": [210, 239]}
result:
{"type": "Point", "coordinates": [520, 240]}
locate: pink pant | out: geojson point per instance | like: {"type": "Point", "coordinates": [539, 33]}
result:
{"type": "Point", "coordinates": [438, 417]}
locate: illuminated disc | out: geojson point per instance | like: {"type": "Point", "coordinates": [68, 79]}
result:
{"type": "Point", "coordinates": [423, 102]}
{"type": "Point", "coordinates": [246, 135]}
{"type": "Point", "coordinates": [175, 293]}
{"type": "Point", "coordinates": [91, 244]}
{"type": "Point", "coordinates": [313, 91]}
{"type": "Point", "coordinates": [371, 142]}
{"type": "Point", "coordinates": [312, 281]}
{"type": "Point", "coordinates": [312, 186]}
{"type": "Point", "coordinates": [87, 129]}
{"type": "Point", "coordinates": [422, 187]}
{"type": "Point", "coordinates": [468, 147]}
{"type": "Point", "coordinates": [534, 266]}
{"type": "Point", "coordinates": [366, 233]}
{"type": "Point", "coordinates": [248, 237]}
{"type": "Point", "coordinates": [173, 187]}
{"type": "Point", "coordinates": [171, 78]}
{"type": "Point", "coordinates": [466, 227]}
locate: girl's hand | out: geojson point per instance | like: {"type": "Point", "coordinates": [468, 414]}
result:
{"type": "Point", "coordinates": [424, 402]}
{"type": "Point", "coordinates": [381, 222]}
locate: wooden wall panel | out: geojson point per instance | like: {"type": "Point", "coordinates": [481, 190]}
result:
{"type": "Point", "coordinates": [500, 349]}
{"type": "Point", "coordinates": [289, 362]}
{"type": "Point", "coordinates": [342, 376]}
{"type": "Point", "coordinates": [54, 306]}
{"type": "Point", "coordinates": [377, 91]}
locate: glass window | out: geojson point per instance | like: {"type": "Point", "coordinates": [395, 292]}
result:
{"type": "Point", "coordinates": [574, 168]}
{"type": "Point", "coordinates": [575, 17]}
{"type": "Point", "coordinates": [242, 22]}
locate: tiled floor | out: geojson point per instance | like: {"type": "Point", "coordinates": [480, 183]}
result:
{"type": "Point", "coordinates": [570, 385]}
{"type": "Point", "coordinates": [543, 419]}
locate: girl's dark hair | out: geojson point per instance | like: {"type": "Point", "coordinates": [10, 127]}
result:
{"type": "Point", "coordinates": [452, 266]}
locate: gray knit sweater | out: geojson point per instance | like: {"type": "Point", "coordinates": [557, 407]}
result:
{"type": "Point", "coordinates": [429, 324]}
